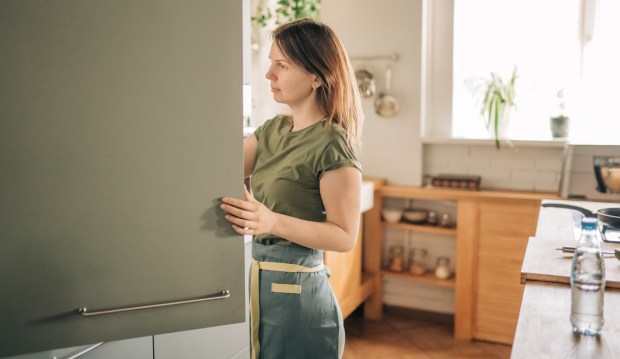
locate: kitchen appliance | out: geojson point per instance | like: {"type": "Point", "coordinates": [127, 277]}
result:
{"type": "Point", "coordinates": [608, 219]}
{"type": "Point", "coordinates": [607, 172]}
{"type": "Point", "coordinates": [591, 172]}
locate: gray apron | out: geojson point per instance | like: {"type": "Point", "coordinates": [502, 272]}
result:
{"type": "Point", "coordinates": [293, 311]}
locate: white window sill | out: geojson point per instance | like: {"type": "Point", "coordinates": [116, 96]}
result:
{"type": "Point", "coordinates": [559, 143]}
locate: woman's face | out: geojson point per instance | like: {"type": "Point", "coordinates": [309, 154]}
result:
{"type": "Point", "coordinates": [290, 84]}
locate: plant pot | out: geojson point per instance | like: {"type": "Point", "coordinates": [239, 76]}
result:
{"type": "Point", "coordinates": [559, 126]}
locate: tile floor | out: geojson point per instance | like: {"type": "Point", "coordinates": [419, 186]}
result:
{"type": "Point", "coordinates": [408, 334]}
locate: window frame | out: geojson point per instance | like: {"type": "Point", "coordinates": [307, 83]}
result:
{"type": "Point", "coordinates": [437, 69]}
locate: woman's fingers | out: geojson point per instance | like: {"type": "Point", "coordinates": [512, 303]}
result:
{"type": "Point", "coordinates": [240, 222]}
{"type": "Point", "coordinates": [239, 203]}
{"type": "Point", "coordinates": [242, 219]}
{"type": "Point", "coordinates": [247, 195]}
{"type": "Point", "coordinates": [237, 212]}
{"type": "Point", "coordinates": [244, 214]}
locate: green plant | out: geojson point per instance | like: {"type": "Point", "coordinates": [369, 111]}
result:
{"type": "Point", "coordinates": [559, 122]}
{"type": "Point", "coordinates": [499, 97]}
{"type": "Point", "coordinates": [561, 103]}
{"type": "Point", "coordinates": [287, 10]}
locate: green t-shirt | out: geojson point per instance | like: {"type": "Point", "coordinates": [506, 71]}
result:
{"type": "Point", "coordinates": [289, 166]}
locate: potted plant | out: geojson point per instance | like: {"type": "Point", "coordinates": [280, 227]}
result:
{"type": "Point", "coordinates": [285, 11]}
{"type": "Point", "coordinates": [498, 100]}
{"type": "Point", "coordinates": [559, 124]}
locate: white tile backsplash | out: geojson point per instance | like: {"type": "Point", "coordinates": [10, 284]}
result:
{"type": "Point", "coordinates": [520, 168]}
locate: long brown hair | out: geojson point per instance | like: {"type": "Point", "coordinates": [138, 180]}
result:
{"type": "Point", "coordinates": [317, 49]}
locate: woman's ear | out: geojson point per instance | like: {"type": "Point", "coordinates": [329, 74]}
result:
{"type": "Point", "coordinates": [316, 83]}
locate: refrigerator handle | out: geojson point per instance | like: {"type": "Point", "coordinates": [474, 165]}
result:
{"type": "Point", "coordinates": [85, 312]}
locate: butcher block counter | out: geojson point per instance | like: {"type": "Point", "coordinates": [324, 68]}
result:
{"type": "Point", "coordinates": [544, 329]}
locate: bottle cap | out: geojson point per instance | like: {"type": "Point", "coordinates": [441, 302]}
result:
{"type": "Point", "coordinates": [588, 223]}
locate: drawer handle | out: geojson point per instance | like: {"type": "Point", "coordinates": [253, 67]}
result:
{"type": "Point", "coordinates": [83, 351]}
{"type": "Point", "coordinates": [84, 311]}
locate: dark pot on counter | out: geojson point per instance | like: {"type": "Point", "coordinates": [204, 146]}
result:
{"type": "Point", "coordinates": [607, 216]}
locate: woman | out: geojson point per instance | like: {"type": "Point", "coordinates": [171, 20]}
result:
{"type": "Point", "coordinates": [306, 183]}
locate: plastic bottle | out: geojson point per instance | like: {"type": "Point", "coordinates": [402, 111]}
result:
{"type": "Point", "coordinates": [587, 282]}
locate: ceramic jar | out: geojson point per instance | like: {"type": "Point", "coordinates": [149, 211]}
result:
{"type": "Point", "coordinates": [417, 261]}
{"type": "Point", "coordinates": [442, 270]}
{"type": "Point", "coordinates": [397, 259]}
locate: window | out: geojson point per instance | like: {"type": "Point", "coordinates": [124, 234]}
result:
{"type": "Point", "coordinates": [598, 114]}
{"type": "Point", "coordinates": [543, 39]}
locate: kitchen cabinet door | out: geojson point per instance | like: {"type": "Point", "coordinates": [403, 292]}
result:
{"type": "Point", "coordinates": [136, 348]}
{"type": "Point", "coordinates": [505, 226]}
{"type": "Point", "coordinates": [226, 341]}
{"type": "Point", "coordinates": [120, 129]}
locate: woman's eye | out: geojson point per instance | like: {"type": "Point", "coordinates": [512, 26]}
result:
{"type": "Point", "coordinates": [282, 66]}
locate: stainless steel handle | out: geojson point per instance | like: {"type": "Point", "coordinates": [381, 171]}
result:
{"type": "Point", "coordinates": [82, 352]}
{"type": "Point", "coordinates": [84, 311]}
{"type": "Point", "coordinates": [85, 351]}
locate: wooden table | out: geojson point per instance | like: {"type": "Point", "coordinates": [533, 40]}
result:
{"type": "Point", "coordinates": [559, 227]}
{"type": "Point", "coordinates": [544, 329]}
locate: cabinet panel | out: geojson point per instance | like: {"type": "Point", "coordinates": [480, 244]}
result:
{"type": "Point", "coordinates": [138, 348]}
{"type": "Point", "coordinates": [346, 275]}
{"type": "Point", "coordinates": [120, 131]}
{"type": "Point", "coordinates": [226, 341]}
{"type": "Point", "coordinates": [504, 229]}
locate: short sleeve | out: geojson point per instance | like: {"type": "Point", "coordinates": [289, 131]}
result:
{"type": "Point", "coordinates": [259, 131]}
{"type": "Point", "coordinates": [337, 154]}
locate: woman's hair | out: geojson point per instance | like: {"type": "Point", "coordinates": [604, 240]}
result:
{"type": "Point", "coordinates": [317, 49]}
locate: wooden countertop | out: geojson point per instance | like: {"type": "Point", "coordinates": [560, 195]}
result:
{"type": "Point", "coordinates": [558, 227]}
{"type": "Point", "coordinates": [430, 192]}
{"type": "Point", "coordinates": [544, 329]}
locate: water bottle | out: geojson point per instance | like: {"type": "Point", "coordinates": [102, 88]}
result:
{"type": "Point", "coordinates": [587, 282]}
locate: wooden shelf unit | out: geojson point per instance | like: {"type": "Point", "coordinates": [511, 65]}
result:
{"type": "Point", "coordinates": [421, 228]}
{"type": "Point", "coordinates": [492, 227]}
{"type": "Point", "coordinates": [427, 278]}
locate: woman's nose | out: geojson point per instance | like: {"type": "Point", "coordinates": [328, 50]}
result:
{"type": "Point", "coordinates": [269, 74]}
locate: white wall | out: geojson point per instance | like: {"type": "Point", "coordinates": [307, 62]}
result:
{"type": "Point", "coordinates": [392, 147]}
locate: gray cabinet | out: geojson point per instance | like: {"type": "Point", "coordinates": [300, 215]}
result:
{"type": "Point", "coordinates": [137, 348]}
{"type": "Point", "coordinates": [227, 341]}
{"type": "Point", "coordinates": [120, 130]}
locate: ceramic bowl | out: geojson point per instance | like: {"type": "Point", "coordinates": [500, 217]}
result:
{"type": "Point", "coordinates": [415, 215]}
{"type": "Point", "coordinates": [392, 215]}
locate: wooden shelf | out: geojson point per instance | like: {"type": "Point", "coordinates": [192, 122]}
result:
{"type": "Point", "coordinates": [427, 278]}
{"type": "Point", "coordinates": [430, 193]}
{"type": "Point", "coordinates": [421, 228]}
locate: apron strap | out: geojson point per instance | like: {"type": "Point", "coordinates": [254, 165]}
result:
{"type": "Point", "coordinates": [254, 292]}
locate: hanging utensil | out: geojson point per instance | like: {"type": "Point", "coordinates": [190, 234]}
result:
{"type": "Point", "coordinates": [386, 105]}
{"type": "Point", "coordinates": [365, 82]}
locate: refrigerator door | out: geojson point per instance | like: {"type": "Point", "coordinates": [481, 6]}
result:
{"type": "Point", "coordinates": [120, 129]}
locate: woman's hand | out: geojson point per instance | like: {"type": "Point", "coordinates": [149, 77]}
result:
{"type": "Point", "coordinates": [248, 215]}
